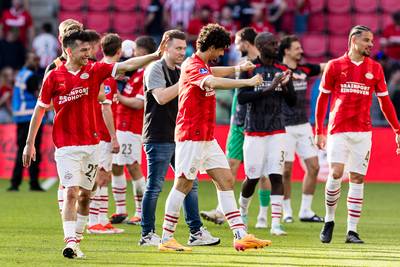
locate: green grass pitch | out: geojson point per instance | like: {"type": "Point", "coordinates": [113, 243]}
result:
{"type": "Point", "coordinates": [31, 235]}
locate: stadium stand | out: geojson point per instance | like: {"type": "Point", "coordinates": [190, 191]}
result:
{"type": "Point", "coordinates": [366, 6]}
{"type": "Point", "coordinates": [339, 6]}
{"type": "Point", "coordinates": [339, 24]}
{"type": "Point", "coordinates": [99, 21]}
{"type": "Point", "coordinates": [124, 5]}
{"type": "Point", "coordinates": [315, 45]}
{"type": "Point", "coordinates": [317, 6]}
{"type": "Point", "coordinates": [99, 5]}
{"type": "Point", "coordinates": [72, 5]}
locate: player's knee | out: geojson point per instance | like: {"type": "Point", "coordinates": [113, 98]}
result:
{"type": "Point", "coordinates": [337, 173]}
{"type": "Point", "coordinates": [183, 185]}
{"type": "Point", "coordinates": [313, 169]}
{"type": "Point", "coordinates": [72, 194]}
{"type": "Point", "coordinates": [276, 183]}
{"type": "Point", "coordinates": [356, 178]}
{"type": "Point", "coordinates": [117, 170]}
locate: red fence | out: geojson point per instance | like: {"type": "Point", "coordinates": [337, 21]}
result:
{"type": "Point", "coordinates": [384, 164]}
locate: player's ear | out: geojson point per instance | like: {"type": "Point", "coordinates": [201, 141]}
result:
{"type": "Point", "coordinates": [68, 50]}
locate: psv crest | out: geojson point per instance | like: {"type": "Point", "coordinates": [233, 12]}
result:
{"type": "Point", "coordinates": [369, 75]}
{"type": "Point", "coordinates": [84, 76]}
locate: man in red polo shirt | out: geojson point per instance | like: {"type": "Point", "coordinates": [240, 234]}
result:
{"type": "Point", "coordinates": [73, 88]}
{"type": "Point", "coordinates": [350, 80]}
{"type": "Point", "coordinates": [196, 149]}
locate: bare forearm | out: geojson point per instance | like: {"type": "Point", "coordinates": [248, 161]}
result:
{"type": "Point", "coordinates": [223, 71]}
{"type": "Point", "coordinates": [131, 102]}
{"type": "Point", "coordinates": [224, 83]}
{"type": "Point", "coordinates": [108, 119]}
{"type": "Point", "coordinates": [36, 120]}
{"type": "Point", "coordinates": [165, 95]}
{"type": "Point", "coordinates": [136, 62]}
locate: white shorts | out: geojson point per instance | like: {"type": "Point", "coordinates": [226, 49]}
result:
{"type": "Point", "coordinates": [300, 140]}
{"type": "Point", "coordinates": [352, 149]}
{"type": "Point", "coordinates": [105, 156]}
{"type": "Point", "coordinates": [263, 155]}
{"type": "Point", "coordinates": [130, 148]}
{"type": "Point", "coordinates": [194, 156]}
{"type": "Point", "coordinates": [77, 165]}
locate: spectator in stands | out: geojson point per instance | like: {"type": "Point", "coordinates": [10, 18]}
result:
{"type": "Point", "coordinates": [204, 17]}
{"type": "Point", "coordinates": [276, 9]}
{"type": "Point", "coordinates": [154, 21]}
{"type": "Point", "coordinates": [12, 51]}
{"type": "Point", "coordinates": [19, 19]}
{"type": "Point", "coordinates": [178, 12]}
{"type": "Point", "coordinates": [242, 12]}
{"type": "Point", "coordinates": [6, 84]}
{"type": "Point", "coordinates": [260, 23]}
{"type": "Point", "coordinates": [301, 16]}
{"type": "Point", "coordinates": [227, 21]}
{"type": "Point", "coordinates": [26, 90]}
{"type": "Point", "coordinates": [46, 46]}
{"type": "Point", "coordinates": [391, 42]}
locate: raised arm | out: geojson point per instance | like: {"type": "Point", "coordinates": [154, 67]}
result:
{"type": "Point", "coordinates": [229, 71]}
{"type": "Point", "coordinates": [137, 62]}
{"type": "Point", "coordinates": [226, 84]}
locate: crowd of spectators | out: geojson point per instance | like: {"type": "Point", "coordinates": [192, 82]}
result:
{"type": "Point", "coordinates": [18, 36]}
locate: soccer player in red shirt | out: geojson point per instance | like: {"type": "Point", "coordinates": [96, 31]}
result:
{"type": "Point", "coordinates": [106, 111]}
{"type": "Point", "coordinates": [350, 80]}
{"type": "Point", "coordinates": [196, 149]}
{"type": "Point", "coordinates": [129, 133]}
{"type": "Point", "coordinates": [73, 88]}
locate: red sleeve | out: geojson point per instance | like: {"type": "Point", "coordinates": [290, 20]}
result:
{"type": "Point", "coordinates": [380, 87]}
{"type": "Point", "coordinates": [46, 92]}
{"type": "Point", "coordinates": [110, 88]}
{"type": "Point", "coordinates": [198, 73]}
{"type": "Point", "coordinates": [328, 78]}
{"type": "Point", "coordinates": [389, 112]}
{"type": "Point", "coordinates": [320, 112]}
{"type": "Point", "coordinates": [104, 70]}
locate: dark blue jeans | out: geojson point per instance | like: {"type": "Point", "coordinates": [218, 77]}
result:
{"type": "Point", "coordinates": [159, 157]}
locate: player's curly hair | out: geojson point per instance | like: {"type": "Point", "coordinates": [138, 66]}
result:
{"type": "Point", "coordinates": [213, 35]}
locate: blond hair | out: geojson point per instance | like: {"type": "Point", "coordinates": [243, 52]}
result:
{"type": "Point", "coordinates": [68, 25]}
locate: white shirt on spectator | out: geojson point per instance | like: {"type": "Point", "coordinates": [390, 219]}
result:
{"type": "Point", "coordinates": [180, 11]}
{"type": "Point", "coordinates": [46, 47]}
